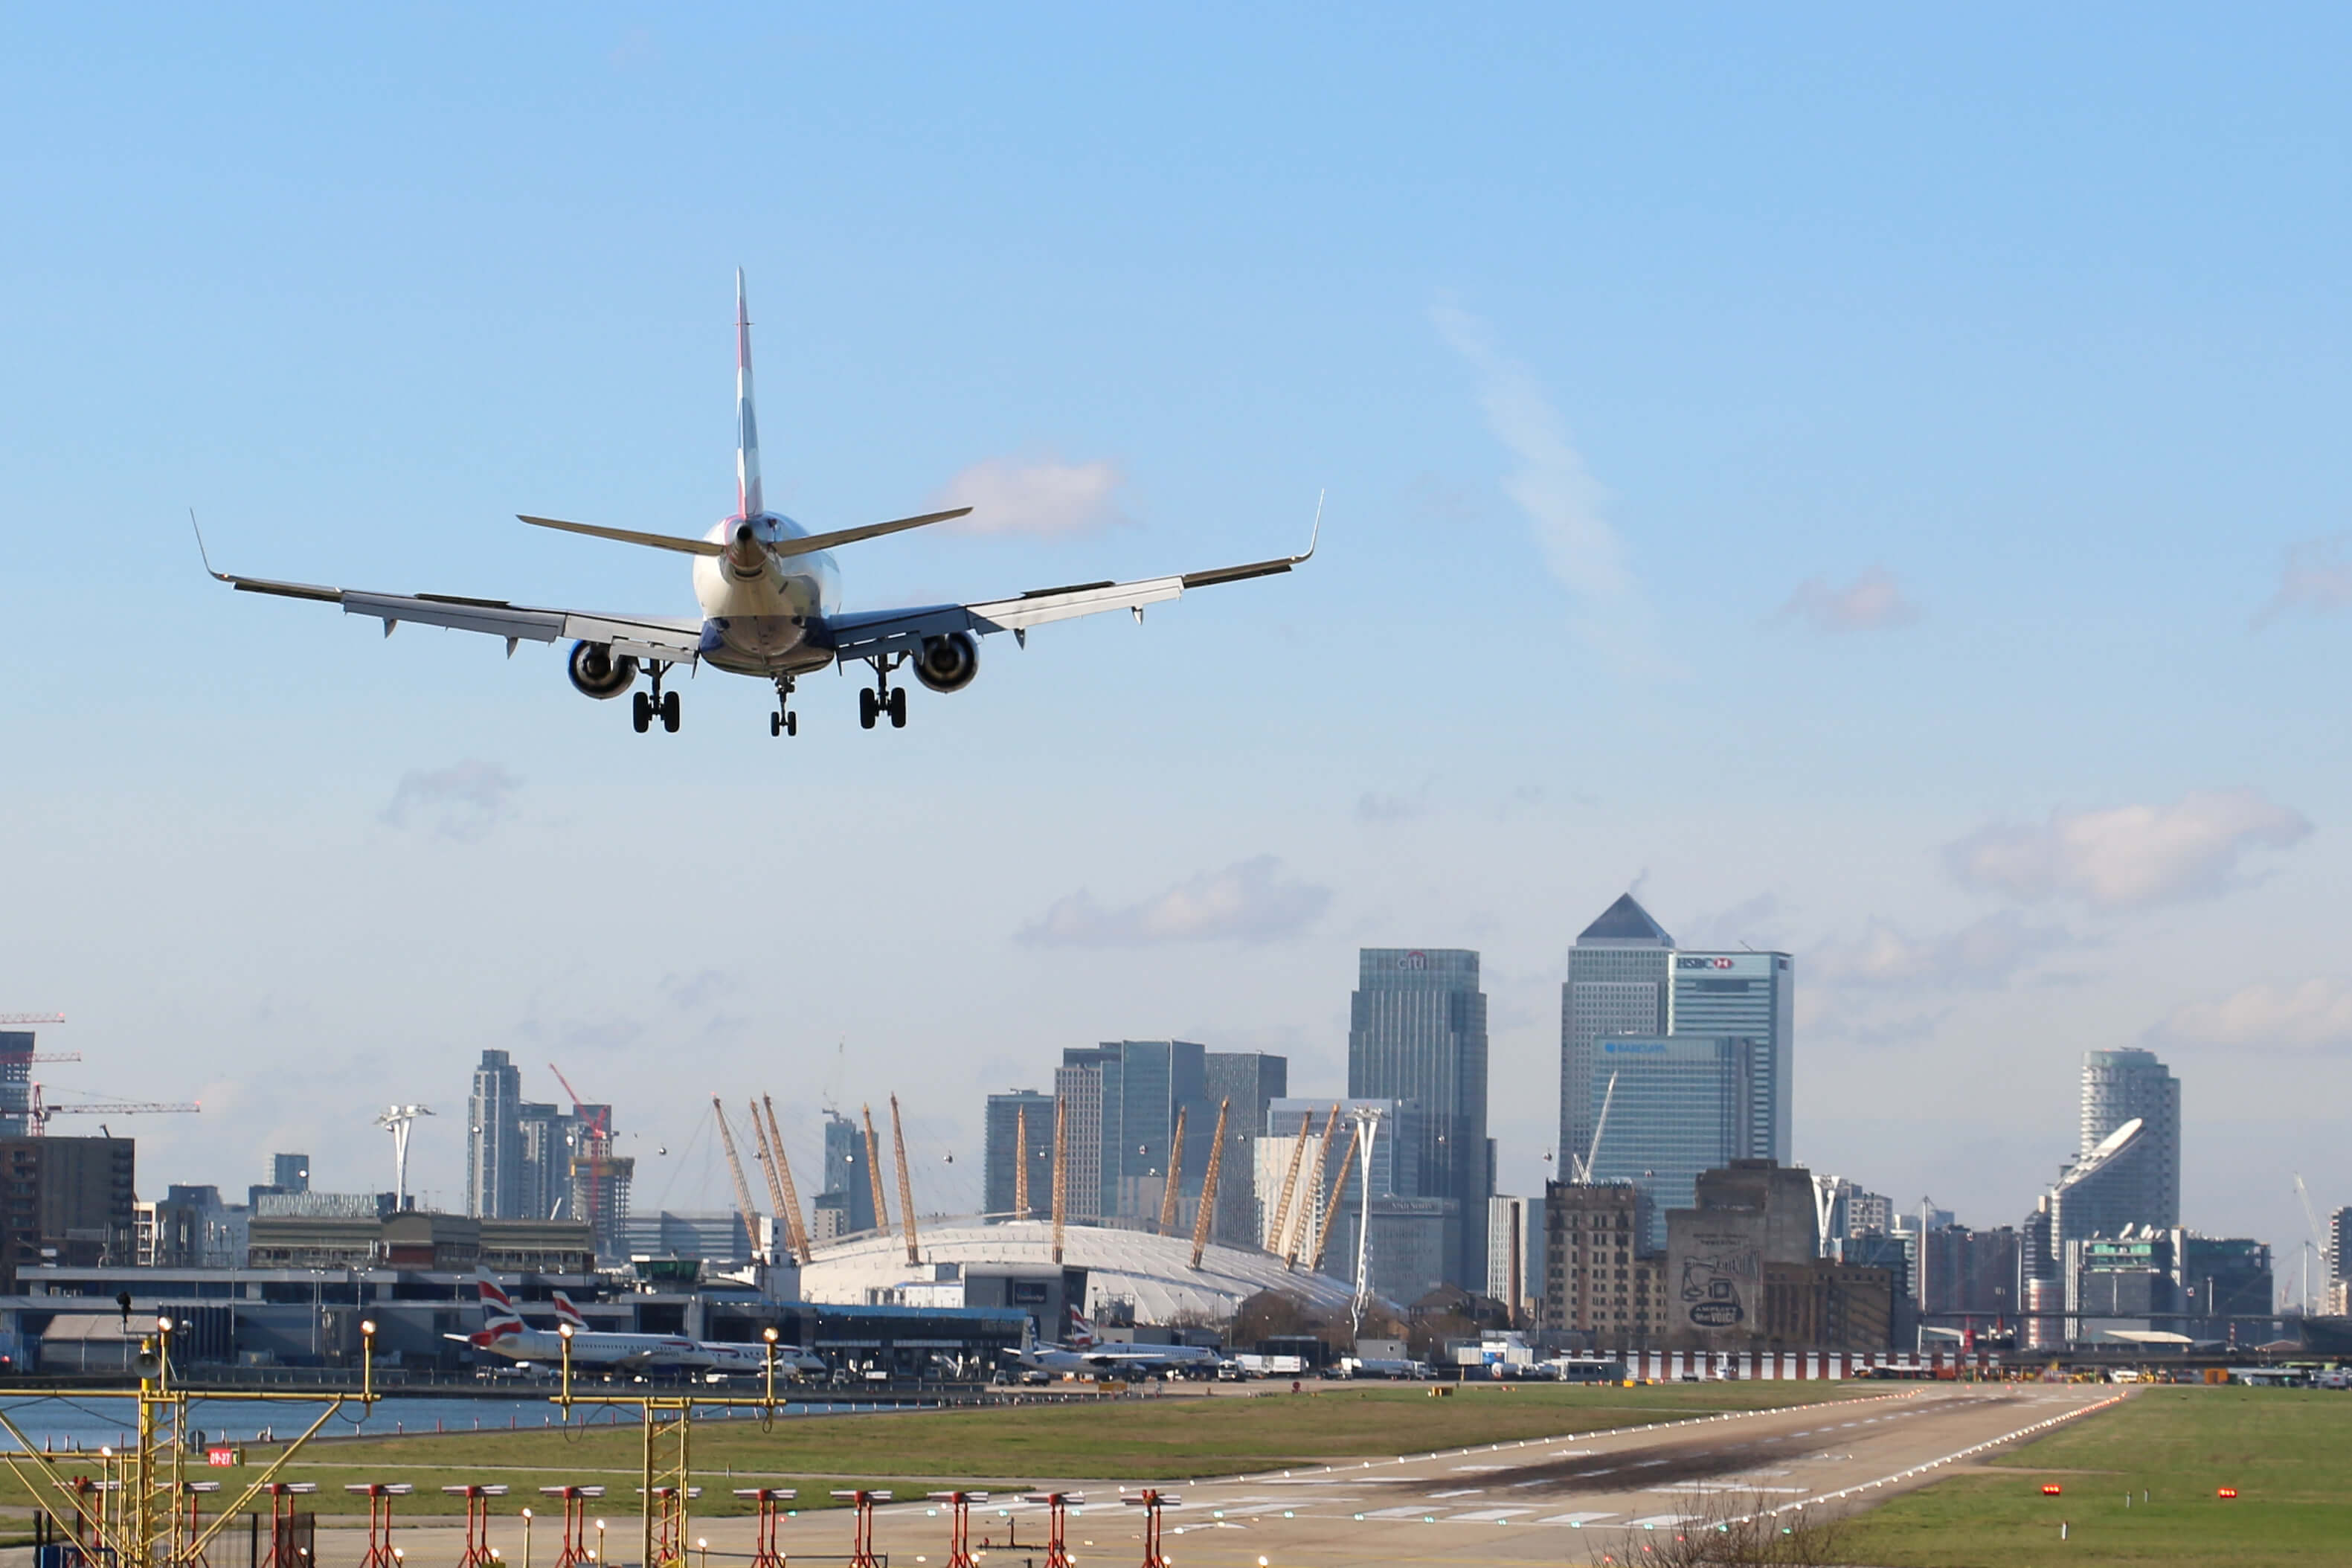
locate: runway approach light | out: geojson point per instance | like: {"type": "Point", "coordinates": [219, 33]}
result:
{"type": "Point", "coordinates": [2227, 1494]}
{"type": "Point", "coordinates": [2050, 1489]}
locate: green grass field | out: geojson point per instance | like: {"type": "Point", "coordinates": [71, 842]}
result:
{"type": "Point", "coordinates": [2287, 1451]}
{"type": "Point", "coordinates": [1174, 1436]}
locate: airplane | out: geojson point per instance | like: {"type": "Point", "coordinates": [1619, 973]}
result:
{"type": "Point", "coordinates": [1086, 1354]}
{"type": "Point", "coordinates": [504, 1333]}
{"type": "Point", "coordinates": [721, 1355]}
{"type": "Point", "coordinates": [768, 590]}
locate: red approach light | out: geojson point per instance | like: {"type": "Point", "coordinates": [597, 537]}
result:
{"type": "Point", "coordinates": [2050, 1489]}
{"type": "Point", "coordinates": [2227, 1493]}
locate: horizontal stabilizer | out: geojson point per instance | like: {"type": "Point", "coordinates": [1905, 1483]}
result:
{"type": "Point", "coordinates": [816, 542]}
{"type": "Point", "coordinates": [630, 536]}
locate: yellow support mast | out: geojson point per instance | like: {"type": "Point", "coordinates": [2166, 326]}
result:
{"type": "Point", "coordinates": [1208, 1186]}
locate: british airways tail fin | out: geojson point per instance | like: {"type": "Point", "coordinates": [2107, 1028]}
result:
{"type": "Point", "coordinates": [566, 1313]}
{"type": "Point", "coordinates": [747, 501]}
{"type": "Point", "coordinates": [500, 1318]}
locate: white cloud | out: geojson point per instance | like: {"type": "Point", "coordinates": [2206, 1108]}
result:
{"type": "Point", "coordinates": [2129, 856]}
{"type": "Point", "coordinates": [1748, 921]}
{"type": "Point", "coordinates": [1561, 499]}
{"type": "Point", "coordinates": [1046, 498]}
{"type": "Point", "coordinates": [1250, 901]}
{"type": "Point", "coordinates": [2313, 1017]}
{"type": "Point", "coordinates": [1870, 603]}
{"type": "Point", "coordinates": [2317, 577]}
{"type": "Point", "coordinates": [1980, 955]}
{"type": "Point", "coordinates": [461, 802]}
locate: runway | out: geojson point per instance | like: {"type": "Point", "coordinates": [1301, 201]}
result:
{"type": "Point", "coordinates": [1543, 1500]}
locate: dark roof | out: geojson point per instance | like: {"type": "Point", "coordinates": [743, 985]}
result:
{"type": "Point", "coordinates": [1626, 920]}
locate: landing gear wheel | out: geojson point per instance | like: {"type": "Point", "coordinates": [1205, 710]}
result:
{"type": "Point", "coordinates": [775, 723]}
{"type": "Point", "coordinates": [870, 707]}
{"type": "Point", "coordinates": [669, 712]}
{"type": "Point", "coordinates": [898, 709]}
{"type": "Point", "coordinates": [791, 723]}
{"type": "Point", "coordinates": [641, 712]}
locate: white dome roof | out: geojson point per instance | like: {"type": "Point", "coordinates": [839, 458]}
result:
{"type": "Point", "coordinates": [1153, 1272]}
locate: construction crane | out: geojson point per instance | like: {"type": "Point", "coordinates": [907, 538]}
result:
{"type": "Point", "coordinates": [24, 1020]}
{"type": "Point", "coordinates": [1579, 1167]}
{"type": "Point", "coordinates": [743, 1203]}
{"type": "Point", "coordinates": [595, 1157]}
{"type": "Point", "coordinates": [1315, 1188]}
{"type": "Point", "coordinates": [874, 1171]}
{"type": "Point", "coordinates": [397, 1120]}
{"type": "Point", "coordinates": [1208, 1186]}
{"type": "Point", "coordinates": [905, 1184]}
{"type": "Point", "coordinates": [1338, 1195]}
{"type": "Point", "coordinates": [779, 1182]}
{"type": "Point", "coordinates": [38, 1117]}
{"type": "Point", "coordinates": [1175, 1176]}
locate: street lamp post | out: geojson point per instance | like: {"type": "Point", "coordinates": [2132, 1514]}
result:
{"type": "Point", "coordinates": [526, 1538]}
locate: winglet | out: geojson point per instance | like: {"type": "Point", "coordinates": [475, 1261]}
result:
{"type": "Point", "coordinates": [1317, 534]}
{"type": "Point", "coordinates": [202, 554]}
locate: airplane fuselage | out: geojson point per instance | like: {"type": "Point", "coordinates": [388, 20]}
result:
{"type": "Point", "coordinates": [759, 607]}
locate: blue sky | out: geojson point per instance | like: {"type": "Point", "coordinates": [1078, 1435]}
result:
{"type": "Point", "coordinates": [1871, 481]}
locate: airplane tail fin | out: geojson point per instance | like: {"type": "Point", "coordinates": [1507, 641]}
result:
{"type": "Point", "coordinates": [748, 499]}
{"type": "Point", "coordinates": [500, 1318]}
{"type": "Point", "coordinates": [566, 1313]}
{"type": "Point", "coordinates": [1082, 1332]}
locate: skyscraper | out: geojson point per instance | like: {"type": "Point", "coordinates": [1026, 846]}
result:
{"type": "Point", "coordinates": [1417, 1031]}
{"type": "Point", "coordinates": [1248, 1081]}
{"type": "Point", "coordinates": [2127, 1085]}
{"type": "Point", "coordinates": [1619, 982]}
{"type": "Point", "coordinates": [494, 1139]}
{"type": "Point", "coordinates": [844, 1172]}
{"type": "Point", "coordinates": [1678, 1105]}
{"type": "Point", "coordinates": [1019, 1130]}
{"type": "Point", "coordinates": [1748, 995]}
{"type": "Point", "coordinates": [1125, 1096]}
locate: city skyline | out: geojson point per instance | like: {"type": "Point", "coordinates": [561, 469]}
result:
{"type": "Point", "coordinates": [1882, 485]}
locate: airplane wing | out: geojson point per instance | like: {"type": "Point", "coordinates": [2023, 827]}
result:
{"type": "Point", "coordinates": [869, 633]}
{"type": "Point", "coordinates": [676, 641]}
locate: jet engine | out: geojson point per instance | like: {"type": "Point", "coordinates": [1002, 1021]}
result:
{"type": "Point", "coordinates": [596, 673]}
{"type": "Point", "coordinates": [948, 663]}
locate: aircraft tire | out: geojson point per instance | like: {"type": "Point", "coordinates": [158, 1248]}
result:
{"type": "Point", "coordinates": [898, 709]}
{"type": "Point", "coordinates": [868, 709]}
{"type": "Point", "coordinates": [669, 712]}
{"type": "Point", "coordinates": [641, 712]}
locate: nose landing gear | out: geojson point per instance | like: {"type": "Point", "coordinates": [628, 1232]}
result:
{"type": "Point", "coordinates": [880, 699]}
{"type": "Point", "coordinates": [644, 709]}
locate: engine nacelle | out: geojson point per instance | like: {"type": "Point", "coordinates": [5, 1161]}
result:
{"type": "Point", "coordinates": [948, 663]}
{"type": "Point", "coordinates": [596, 673]}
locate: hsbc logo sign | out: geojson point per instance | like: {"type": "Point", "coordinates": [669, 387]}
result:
{"type": "Point", "coordinates": [1702, 963]}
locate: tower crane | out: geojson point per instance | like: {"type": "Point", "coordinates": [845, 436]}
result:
{"type": "Point", "coordinates": [38, 1117]}
{"type": "Point", "coordinates": [2311, 1219]}
{"type": "Point", "coordinates": [22, 1020]}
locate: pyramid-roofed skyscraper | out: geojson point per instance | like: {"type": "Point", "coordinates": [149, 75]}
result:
{"type": "Point", "coordinates": [1619, 982]}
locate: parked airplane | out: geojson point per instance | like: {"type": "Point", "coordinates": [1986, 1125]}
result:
{"type": "Point", "coordinates": [768, 591]}
{"type": "Point", "coordinates": [503, 1332]}
{"type": "Point", "coordinates": [1083, 1352]}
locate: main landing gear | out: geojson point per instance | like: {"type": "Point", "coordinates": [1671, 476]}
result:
{"type": "Point", "coordinates": [644, 709]}
{"type": "Point", "coordinates": [783, 721]}
{"type": "Point", "coordinates": [880, 699]}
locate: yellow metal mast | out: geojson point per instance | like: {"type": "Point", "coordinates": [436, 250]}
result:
{"type": "Point", "coordinates": [1175, 1176]}
{"type": "Point", "coordinates": [1208, 1186]}
{"type": "Point", "coordinates": [1314, 1189]}
{"type": "Point", "coordinates": [743, 1203]}
{"type": "Point", "coordinates": [1061, 1174]}
{"type": "Point", "coordinates": [792, 1201]}
{"type": "Point", "coordinates": [1289, 1185]}
{"type": "Point", "coordinates": [1338, 1192]}
{"type": "Point", "coordinates": [906, 1186]}
{"type": "Point", "coordinates": [873, 1172]}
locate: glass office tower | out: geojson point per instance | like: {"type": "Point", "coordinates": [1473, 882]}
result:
{"type": "Point", "coordinates": [1752, 996]}
{"type": "Point", "coordinates": [1417, 1031]}
{"type": "Point", "coordinates": [1619, 982]}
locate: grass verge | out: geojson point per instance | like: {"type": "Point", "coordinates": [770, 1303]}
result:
{"type": "Point", "coordinates": [2287, 1451]}
{"type": "Point", "coordinates": [1164, 1438]}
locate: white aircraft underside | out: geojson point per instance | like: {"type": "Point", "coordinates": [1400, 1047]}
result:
{"type": "Point", "coordinates": [770, 600]}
